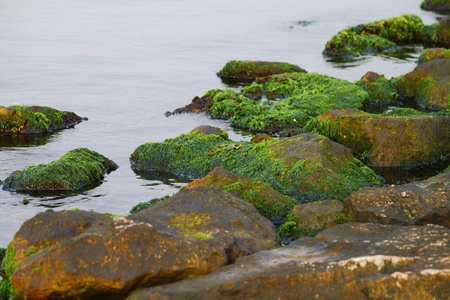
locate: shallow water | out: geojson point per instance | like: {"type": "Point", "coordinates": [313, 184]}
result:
{"type": "Point", "coordinates": [123, 64]}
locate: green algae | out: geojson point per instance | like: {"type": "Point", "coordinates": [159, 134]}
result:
{"type": "Point", "coordinates": [381, 91]}
{"type": "Point", "coordinates": [433, 53]}
{"type": "Point", "coordinates": [249, 70]}
{"type": "Point", "coordinates": [281, 102]}
{"type": "Point", "coordinates": [435, 5]}
{"type": "Point", "coordinates": [8, 267]}
{"type": "Point", "coordinates": [144, 205]}
{"type": "Point", "coordinates": [404, 112]}
{"type": "Point", "coordinates": [76, 169]}
{"type": "Point", "coordinates": [194, 155]}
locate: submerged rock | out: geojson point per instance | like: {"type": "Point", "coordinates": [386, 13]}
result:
{"type": "Point", "coordinates": [428, 84]}
{"type": "Point", "coordinates": [76, 169]}
{"type": "Point", "coordinates": [382, 92]}
{"type": "Point", "coordinates": [280, 102]}
{"type": "Point", "coordinates": [415, 203]}
{"type": "Point", "coordinates": [247, 70]}
{"type": "Point", "coordinates": [35, 119]}
{"type": "Point", "coordinates": [266, 200]}
{"type": "Point", "coordinates": [81, 255]}
{"type": "Point", "coordinates": [307, 167]}
{"type": "Point", "coordinates": [436, 5]}
{"type": "Point", "coordinates": [433, 53]}
{"type": "Point", "coordinates": [349, 261]}
{"type": "Point", "coordinates": [387, 141]}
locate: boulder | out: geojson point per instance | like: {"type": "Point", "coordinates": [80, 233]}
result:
{"type": "Point", "coordinates": [76, 169]}
{"type": "Point", "coordinates": [436, 5]}
{"type": "Point", "coordinates": [266, 200]}
{"type": "Point", "coordinates": [35, 119]}
{"type": "Point", "coordinates": [428, 84]}
{"type": "Point", "coordinates": [433, 53]}
{"type": "Point", "coordinates": [382, 92]}
{"type": "Point", "coordinates": [415, 203]}
{"type": "Point", "coordinates": [292, 99]}
{"type": "Point", "coordinates": [245, 71]}
{"type": "Point", "coordinates": [386, 141]}
{"type": "Point", "coordinates": [260, 137]}
{"type": "Point", "coordinates": [307, 167]}
{"type": "Point", "coordinates": [85, 255]}
{"type": "Point", "coordinates": [348, 261]}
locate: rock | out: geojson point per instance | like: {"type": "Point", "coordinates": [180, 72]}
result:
{"type": "Point", "coordinates": [381, 36]}
{"type": "Point", "coordinates": [313, 217]}
{"type": "Point", "coordinates": [435, 5]}
{"type": "Point", "coordinates": [381, 91]}
{"type": "Point", "coordinates": [260, 137]}
{"type": "Point", "coordinates": [76, 169]}
{"type": "Point", "coordinates": [415, 203]}
{"type": "Point", "coordinates": [35, 119]}
{"type": "Point", "coordinates": [433, 53]}
{"type": "Point", "coordinates": [85, 255]}
{"type": "Point", "coordinates": [307, 167]}
{"type": "Point", "coordinates": [348, 261]}
{"type": "Point", "coordinates": [443, 32]}
{"type": "Point", "coordinates": [292, 99]}
{"type": "Point", "coordinates": [387, 141]}
{"type": "Point", "coordinates": [245, 71]}
{"type": "Point", "coordinates": [428, 84]}
{"type": "Point", "coordinates": [206, 129]}
{"type": "Point", "coordinates": [266, 200]}
{"type": "Point", "coordinates": [147, 204]}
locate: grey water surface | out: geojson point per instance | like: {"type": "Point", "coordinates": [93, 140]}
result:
{"type": "Point", "coordinates": [123, 64]}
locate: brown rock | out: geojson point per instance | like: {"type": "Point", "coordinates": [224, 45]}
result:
{"type": "Point", "coordinates": [259, 137]}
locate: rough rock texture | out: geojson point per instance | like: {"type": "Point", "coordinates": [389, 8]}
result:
{"type": "Point", "coordinates": [76, 169]}
{"type": "Point", "coordinates": [349, 261]}
{"type": "Point", "coordinates": [433, 53]}
{"type": "Point", "coordinates": [206, 129]}
{"type": "Point", "coordinates": [415, 203]}
{"type": "Point", "coordinates": [436, 5]}
{"type": "Point", "coordinates": [319, 215]}
{"type": "Point", "coordinates": [266, 200]}
{"type": "Point", "coordinates": [78, 254]}
{"type": "Point", "coordinates": [386, 141]}
{"type": "Point", "coordinates": [428, 84]}
{"type": "Point", "coordinates": [35, 119]}
{"type": "Point", "coordinates": [307, 167]}
{"type": "Point", "coordinates": [291, 100]}
{"type": "Point", "coordinates": [247, 70]}
{"type": "Point", "coordinates": [381, 91]}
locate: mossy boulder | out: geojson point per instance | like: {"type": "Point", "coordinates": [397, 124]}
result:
{"type": "Point", "coordinates": [433, 53]}
{"type": "Point", "coordinates": [266, 200]}
{"type": "Point", "coordinates": [381, 36]}
{"type": "Point", "coordinates": [428, 84]}
{"type": "Point", "coordinates": [35, 119]}
{"type": "Point", "coordinates": [416, 203]}
{"type": "Point", "coordinates": [76, 169]}
{"type": "Point", "coordinates": [279, 102]}
{"type": "Point", "coordinates": [85, 255]}
{"type": "Point", "coordinates": [307, 167]}
{"type": "Point", "coordinates": [381, 91]}
{"type": "Point", "coordinates": [245, 71]}
{"type": "Point", "coordinates": [436, 5]}
{"type": "Point", "coordinates": [387, 141]}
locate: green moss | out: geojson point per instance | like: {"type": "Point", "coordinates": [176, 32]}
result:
{"type": "Point", "coordinates": [194, 155]}
{"type": "Point", "coordinates": [147, 204]}
{"type": "Point", "coordinates": [436, 5]}
{"type": "Point", "coordinates": [248, 70]}
{"type": "Point", "coordinates": [404, 112]}
{"type": "Point", "coordinates": [8, 267]}
{"type": "Point", "coordinates": [202, 236]}
{"type": "Point", "coordinates": [287, 101]}
{"type": "Point", "coordinates": [76, 169]}
{"type": "Point", "coordinates": [433, 53]}
{"type": "Point", "coordinates": [381, 91]}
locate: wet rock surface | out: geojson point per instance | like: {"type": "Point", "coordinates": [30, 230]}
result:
{"type": "Point", "coordinates": [349, 261]}
{"type": "Point", "coordinates": [384, 140]}
{"type": "Point", "coordinates": [78, 254]}
{"type": "Point", "coordinates": [415, 203]}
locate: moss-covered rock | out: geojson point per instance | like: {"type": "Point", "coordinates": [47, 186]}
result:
{"type": "Point", "coordinates": [382, 36]}
{"type": "Point", "coordinates": [279, 102]}
{"type": "Point", "coordinates": [436, 5]}
{"type": "Point", "coordinates": [147, 204]}
{"type": "Point", "coordinates": [266, 200]}
{"type": "Point", "coordinates": [428, 84]}
{"type": "Point", "coordinates": [404, 112]}
{"type": "Point", "coordinates": [386, 141]}
{"type": "Point", "coordinates": [381, 91]}
{"type": "Point", "coordinates": [76, 169]}
{"type": "Point", "coordinates": [433, 53]}
{"type": "Point", "coordinates": [307, 167]}
{"type": "Point", "coordinates": [247, 70]}
{"type": "Point", "coordinates": [35, 119]}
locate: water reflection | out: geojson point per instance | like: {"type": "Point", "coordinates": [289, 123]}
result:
{"type": "Point", "coordinates": [23, 140]}
{"type": "Point", "coordinates": [157, 179]}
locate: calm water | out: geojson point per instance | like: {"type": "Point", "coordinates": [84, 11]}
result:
{"type": "Point", "coordinates": [123, 64]}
